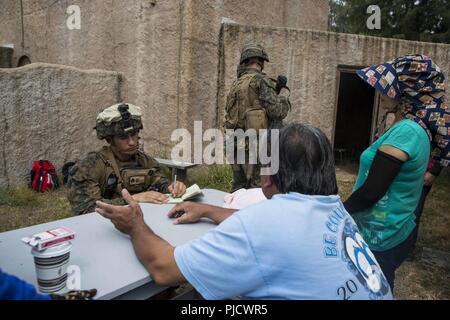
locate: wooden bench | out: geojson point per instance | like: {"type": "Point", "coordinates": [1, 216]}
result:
{"type": "Point", "coordinates": [179, 168]}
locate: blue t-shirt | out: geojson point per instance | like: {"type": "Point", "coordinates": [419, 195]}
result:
{"type": "Point", "coordinates": [391, 220]}
{"type": "Point", "coordinates": [13, 288]}
{"type": "Point", "coordinates": [290, 247]}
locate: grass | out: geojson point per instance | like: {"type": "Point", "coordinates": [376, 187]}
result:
{"type": "Point", "coordinates": [422, 278]}
{"type": "Point", "coordinates": [435, 221]}
{"type": "Point", "coordinates": [218, 177]}
{"type": "Point", "coordinates": [19, 197]}
{"type": "Point", "coordinates": [22, 207]}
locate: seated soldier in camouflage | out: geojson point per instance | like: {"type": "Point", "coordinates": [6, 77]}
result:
{"type": "Point", "coordinates": [103, 174]}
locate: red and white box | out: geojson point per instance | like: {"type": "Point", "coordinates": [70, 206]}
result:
{"type": "Point", "coordinates": [50, 238]}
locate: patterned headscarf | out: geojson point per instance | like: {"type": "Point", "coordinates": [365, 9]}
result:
{"type": "Point", "coordinates": [419, 85]}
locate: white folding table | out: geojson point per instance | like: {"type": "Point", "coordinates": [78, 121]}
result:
{"type": "Point", "coordinates": [105, 256]}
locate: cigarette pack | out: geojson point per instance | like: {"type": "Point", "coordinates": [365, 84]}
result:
{"type": "Point", "coordinates": [50, 238]}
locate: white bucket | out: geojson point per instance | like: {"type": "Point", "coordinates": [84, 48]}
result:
{"type": "Point", "coordinates": [51, 267]}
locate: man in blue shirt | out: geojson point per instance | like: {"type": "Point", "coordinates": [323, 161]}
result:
{"type": "Point", "coordinates": [298, 244]}
{"type": "Point", "coordinates": [13, 288]}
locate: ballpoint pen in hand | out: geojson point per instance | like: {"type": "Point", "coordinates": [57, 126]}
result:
{"type": "Point", "coordinates": [173, 184]}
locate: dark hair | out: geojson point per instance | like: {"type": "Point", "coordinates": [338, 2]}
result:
{"type": "Point", "coordinates": [306, 162]}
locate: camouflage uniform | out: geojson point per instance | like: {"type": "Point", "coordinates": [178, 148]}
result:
{"type": "Point", "coordinates": [253, 91]}
{"type": "Point", "coordinates": [101, 176]}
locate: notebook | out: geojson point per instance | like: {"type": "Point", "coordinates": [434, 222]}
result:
{"type": "Point", "coordinates": [192, 192]}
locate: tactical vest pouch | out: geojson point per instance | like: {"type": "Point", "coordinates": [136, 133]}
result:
{"type": "Point", "coordinates": [111, 186]}
{"type": "Point", "coordinates": [135, 180]}
{"type": "Point", "coordinates": [256, 119]}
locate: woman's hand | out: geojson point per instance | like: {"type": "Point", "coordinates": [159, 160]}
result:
{"type": "Point", "coordinates": [428, 179]}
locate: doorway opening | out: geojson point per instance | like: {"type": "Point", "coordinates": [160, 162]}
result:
{"type": "Point", "coordinates": [354, 128]}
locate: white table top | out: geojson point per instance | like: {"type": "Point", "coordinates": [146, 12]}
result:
{"type": "Point", "coordinates": [105, 256]}
{"type": "Point", "coordinates": [175, 164]}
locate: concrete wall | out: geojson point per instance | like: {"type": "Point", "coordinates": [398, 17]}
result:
{"type": "Point", "coordinates": [179, 61]}
{"type": "Point", "coordinates": [48, 112]}
{"type": "Point", "coordinates": [310, 59]}
{"type": "Point", "coordinates": [167, 50]}
{"type": "Point", "coordinates": [201, 39]}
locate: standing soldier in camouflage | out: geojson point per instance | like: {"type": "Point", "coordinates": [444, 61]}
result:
{"type": "Point", "coordinates": [254, 102]}
{"type": "Point", "coordinates": [103, 174]}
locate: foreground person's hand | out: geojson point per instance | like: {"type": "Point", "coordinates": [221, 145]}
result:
{"type": "Point", "coordinates": [127, 218]}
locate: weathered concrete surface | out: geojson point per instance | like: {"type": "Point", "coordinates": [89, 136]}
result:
{"type": "Point", "coordinates": [168, 52]}
{"type": "Point", "coordinates": [201, 43]}
{"type": "Point", "coordinates": [310, 59]}
{"type": "Point", "coordinates": [48, 112]}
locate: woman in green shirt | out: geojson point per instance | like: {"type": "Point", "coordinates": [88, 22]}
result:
{"type": "Point", "coordinates": [392, 169]}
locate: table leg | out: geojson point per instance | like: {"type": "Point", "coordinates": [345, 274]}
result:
{"type": "Point", "coordinates": [182, 176]}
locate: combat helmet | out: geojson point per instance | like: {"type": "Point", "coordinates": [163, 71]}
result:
{"type": "Point", "coordinates": [119, 119]}
{"type": "Point", "coordinates": [253, 50]}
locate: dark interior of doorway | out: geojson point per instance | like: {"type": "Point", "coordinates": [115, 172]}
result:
{"type": "Point", "coordinates": [354, 117]}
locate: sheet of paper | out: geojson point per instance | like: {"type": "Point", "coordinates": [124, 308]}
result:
{"type": "Point", "coordinates": [191, 192]}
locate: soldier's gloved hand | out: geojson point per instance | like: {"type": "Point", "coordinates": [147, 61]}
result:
{"type": "Point", "coordinates": [75, 295]}
{"type": "Point", "coordinates": [281, 83]}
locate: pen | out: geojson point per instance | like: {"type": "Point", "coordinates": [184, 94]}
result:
{"type": "Point", "coordinates": [173, 185]}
